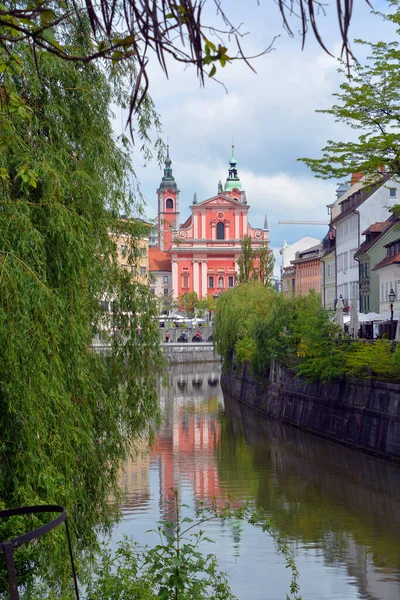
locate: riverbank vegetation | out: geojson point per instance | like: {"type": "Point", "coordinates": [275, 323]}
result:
{"type": "Point", "coordinates": [257, 324]}
{"type": "Point", "coordinates": [178, 568]}
{"type": "Point", "coordinates": [67, 415]}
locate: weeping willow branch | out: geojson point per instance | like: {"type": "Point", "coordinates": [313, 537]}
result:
{"type": "Point", "coordinates": [128, 30]}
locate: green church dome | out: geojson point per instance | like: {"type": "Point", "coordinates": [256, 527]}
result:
{"type": "Point", "coordinates": [232, 181]}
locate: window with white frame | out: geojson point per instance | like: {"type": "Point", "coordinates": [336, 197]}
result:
{"type": "Point", "coordinates": [353, 290]}
{"type": "Point", "coordinates": [165, 278]}
{"type": "Point", "coordinates": [345, 261]}
{"type": "Point", "coordinates": [392, 192]}
{"type": "Point", "coordinates": [353, 261]}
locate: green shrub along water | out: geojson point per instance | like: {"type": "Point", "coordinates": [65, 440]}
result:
{"type": "Point", "coordinates": [257, 324]}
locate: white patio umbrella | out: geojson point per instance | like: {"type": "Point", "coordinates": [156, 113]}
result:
{"type": "Point", "coordinates": [339, 314]}
{"type": "Point", "coordinates": [354, 325]}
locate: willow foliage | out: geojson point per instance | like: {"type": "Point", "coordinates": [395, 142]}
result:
{"type": "Point", "coordinates": [67, 414]}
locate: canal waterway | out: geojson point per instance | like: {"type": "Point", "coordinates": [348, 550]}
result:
{"type": "Point", "coordinates": [339, 509]}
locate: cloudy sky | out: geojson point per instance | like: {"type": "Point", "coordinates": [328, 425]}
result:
{"type": "Point", "coordinates": [271, 116]}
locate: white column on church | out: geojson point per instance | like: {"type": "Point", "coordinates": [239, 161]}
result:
{"type": "Point", "coordinates": [244, 222]}
{"type": "Point", "coordinates": [204, 279]}
{"type": "Point", "coordinates": [236, 225]}
{"type": "Point", "coordinates": [175, 286]}
{"type": "Point", "coordinates": [196, 225]}
{"type": "Point", "coordinates": [227, 236]}
{"type": "Point", "coordinates": [203, 225]}
{"type": "Point", "coordinates": [196, 279]}
{"type": "Point", "coordinates": [213, 234]}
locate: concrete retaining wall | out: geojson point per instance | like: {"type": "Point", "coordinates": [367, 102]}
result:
{"type": "Point", "coordinates": [357, 413]}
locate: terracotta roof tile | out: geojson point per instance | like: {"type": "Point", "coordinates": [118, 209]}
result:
{"type": "Point", "coordinates": [388, 260]}
{"type": "Point", "coordinates": [159, 260]}
{"type": "Point", "coordinates": [388, 224]}
{"type": "Point", "coordinates": [376, 227]}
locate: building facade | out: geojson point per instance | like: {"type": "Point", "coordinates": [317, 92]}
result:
{"type": "Point", "coordinates": [308, 270]}
{"type": "Point", "coordinates": [388, 271]}
{"type": "Point", "coordinates": [358, 208]}
{"type": "Point", "coordinates": [205, 249]}
{"type": "Point", "coordinates": [160, 273]}
{"type": "Point", "coordinates": [139, 267]}
{"type": "Point", "coordinates": [288, 267]}
{"type": "Point", "coordinates": [328, 270]}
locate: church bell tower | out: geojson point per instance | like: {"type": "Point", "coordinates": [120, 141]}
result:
{"type": "Point", "coordinates": [168, 207]}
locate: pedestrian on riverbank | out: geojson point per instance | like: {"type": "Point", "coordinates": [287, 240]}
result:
{"type": "Point", "coordinates": [167, 336]}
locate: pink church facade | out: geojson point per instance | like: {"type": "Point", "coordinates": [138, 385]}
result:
{"type": "Point", "coordinates": [206, 247]}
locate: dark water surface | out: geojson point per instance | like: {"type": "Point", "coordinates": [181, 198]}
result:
{"type": "Point", "coordinates": [340, 509]}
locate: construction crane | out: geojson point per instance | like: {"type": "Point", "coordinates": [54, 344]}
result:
{"type": "Point", "coordinates": [303, 222]}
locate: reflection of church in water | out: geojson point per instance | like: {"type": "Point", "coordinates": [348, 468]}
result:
{"type": "Point", "coordinates": [185, 443]}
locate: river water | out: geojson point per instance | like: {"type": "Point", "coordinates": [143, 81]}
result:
{"type": "Point", "coordinates": [339, 509]}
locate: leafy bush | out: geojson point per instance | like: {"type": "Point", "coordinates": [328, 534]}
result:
{"type": "Point", "coordinates": [376, 359]}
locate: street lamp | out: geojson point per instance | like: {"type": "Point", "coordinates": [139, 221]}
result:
{"type": "Point", "coordinates": [392, 298]}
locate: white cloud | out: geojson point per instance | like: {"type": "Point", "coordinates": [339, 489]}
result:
{"type": "Point", "coordinates": [271, 116]}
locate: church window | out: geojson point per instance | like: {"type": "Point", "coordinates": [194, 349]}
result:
{"type": "Point", "coordinates": [220, 231]}
{"type": "Point", "coordinates": [235, 199]}
{"type": "Point", "coordinates": [230, 281]}
{"type": "Point", "coordinates": [211, 281]}
{"type": "Point", "coordinates": [220, 282]}
{"type": "Point", "coordinates": [169, 203]}
{"type": "Point", "coordinates": [185, 281]}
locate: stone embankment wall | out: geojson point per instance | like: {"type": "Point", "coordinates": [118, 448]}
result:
{"type": "Point", "coordinates": [190, 353]}
{"type": "Point", "coordinates": [362, 414]}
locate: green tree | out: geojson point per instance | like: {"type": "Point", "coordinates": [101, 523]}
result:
{"type": "Point", "coordinates": [189, 302]}
{"type": "Point", "coordinates": [245, 261]}
{"type": "Point", "coordinates": [207, 304]}
{"type": "Point", "coordinates": [265, 262]}
{"type": "Point", "coordinates": [255, 265]}
{"type": "Point", "coordinates": [237, 311]}
{"type": "Point", "coordinates": [369, 103]}
{"type": "Point", "coordinates": [67, 414]}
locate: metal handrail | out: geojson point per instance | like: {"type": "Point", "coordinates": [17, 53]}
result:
{"type": "Point", "coordinates": [7, 547]}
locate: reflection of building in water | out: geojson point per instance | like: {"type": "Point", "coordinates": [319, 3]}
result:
{"type": "Point", "coordinates": [184, 446]}
{"type": "Point", "coordinates": [373, 581]}
{"type": "Point", "coordinates": [134, 478]}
